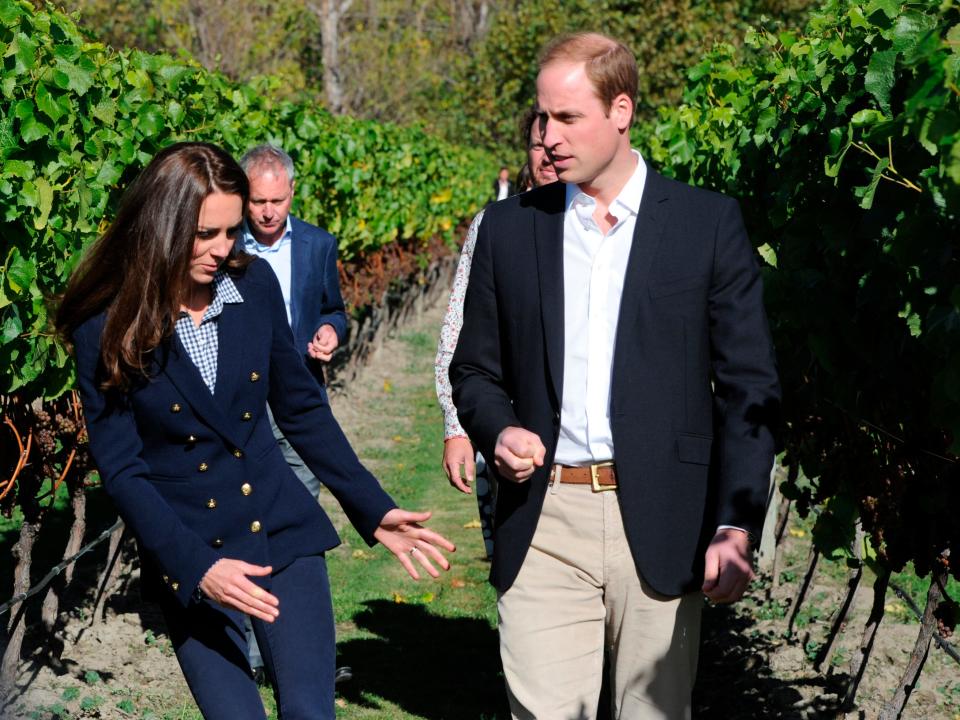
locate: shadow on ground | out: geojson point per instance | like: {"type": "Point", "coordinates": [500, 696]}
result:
{"type": "Point", "coordinates": [735, 682]}
{"type": "Point", "coordinates": [429, 665]}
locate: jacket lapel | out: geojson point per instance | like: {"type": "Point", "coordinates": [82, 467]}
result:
{"type": "Point", "coordinates": [176, 364]}
{"type": "Point", "coordinates": [299, 262]}
{"type": "Point", "coordinates": [647, 236]}
{"type": "Point", "coordinates": [548, 238]}
{"type": "Point", "coordinates": [232, 342]}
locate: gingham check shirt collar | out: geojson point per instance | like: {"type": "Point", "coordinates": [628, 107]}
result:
{"type": "Point", "coordinates": [202, 343]}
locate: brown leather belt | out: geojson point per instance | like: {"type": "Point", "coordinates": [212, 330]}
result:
{"type": "Point", "coordinates": [601, 476]}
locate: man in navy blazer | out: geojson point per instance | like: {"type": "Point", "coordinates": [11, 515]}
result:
{"type": "Point", "coordinates": [303, 256]}
{"type": "Point", "coordinates": [304, 259]}
{"type": "Point", "coordinates": [616, 365]}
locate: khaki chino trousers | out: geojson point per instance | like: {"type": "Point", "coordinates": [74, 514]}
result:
{"type": "Point", "coordinates": [578, 593]}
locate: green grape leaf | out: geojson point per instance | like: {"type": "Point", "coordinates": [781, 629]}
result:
{"type": "Point", "coordinates": [45, 204]}
{"type": "Point", "coordinates": [78, 77]}
{"type": "Point", "coordinates": [879, 78]}
{"type": "Point", "coordinates": [20, 271]}
{"type": "Point", "coordinates": [47, 104]}
{"type": "Point", "coordinates": [12, 326]}
{"type": "Point", "coordinates": [866, 192]}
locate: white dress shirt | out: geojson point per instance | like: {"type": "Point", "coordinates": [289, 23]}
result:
{"type": "Point", "coordinates": [594, 266]}
{"type": "Point", "coordinates": [279, 257]}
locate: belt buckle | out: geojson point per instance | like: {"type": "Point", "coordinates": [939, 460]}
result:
{"type": "Point", "coordinates": [595, 477]}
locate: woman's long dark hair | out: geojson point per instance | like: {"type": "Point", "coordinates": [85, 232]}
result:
{"type": "Point", "coordinates": [138, 269]}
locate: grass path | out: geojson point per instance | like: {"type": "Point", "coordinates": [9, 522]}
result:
{"type": "Point", "coordinates": [424, 649]}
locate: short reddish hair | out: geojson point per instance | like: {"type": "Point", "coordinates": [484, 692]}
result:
{"type": "Point", "coordinates": [609, 64]}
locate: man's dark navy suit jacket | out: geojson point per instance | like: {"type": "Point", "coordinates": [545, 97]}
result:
{"type": "Point", "coordinates": [694, 392]}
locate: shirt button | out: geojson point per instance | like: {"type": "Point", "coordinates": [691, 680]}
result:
{"type": "Point", "coordinates": [254, 376]}
{"type": "Point", "coordinates": [175, 408]}
{"type": "Point", "coordinates": [212, 503]}
{"type": "Point", "coordinates": [237, 453]}
{"type": "Point", "coordinates": [247, 416]}
{"type": "Point", "coordinates": [255, 526]}
{"type": "Point", "coordinates": [246, 488]}
{"type": "Point", "coordinates": [203, 467]}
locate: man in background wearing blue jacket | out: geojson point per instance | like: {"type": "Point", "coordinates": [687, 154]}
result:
{"type": "Point", "coordinates": [304, 259]}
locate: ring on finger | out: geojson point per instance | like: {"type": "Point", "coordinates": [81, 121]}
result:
{"type": "Point", "coordinates": [413, 549]}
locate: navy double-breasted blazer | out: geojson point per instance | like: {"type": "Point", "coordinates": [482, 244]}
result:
{"type": "Point", "coordinates": [315, 297]}
{"type": "Point", "coordinates": [694, 392]}
{"type": "Point", "coordinates": [199, 476]}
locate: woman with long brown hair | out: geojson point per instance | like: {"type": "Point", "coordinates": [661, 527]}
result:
{"type": "Point", "coordinates": [181, 342]}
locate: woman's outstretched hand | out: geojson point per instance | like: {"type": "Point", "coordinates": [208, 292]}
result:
{"type": "Point", "coordinates": [226, 583]}
{"type": "Point", "coordinates": [402, 534]}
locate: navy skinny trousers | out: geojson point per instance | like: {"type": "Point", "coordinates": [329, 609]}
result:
{"type": "Point", "coordinates": [298, 650]}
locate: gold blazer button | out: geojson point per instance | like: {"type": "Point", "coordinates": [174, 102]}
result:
{"type": "Point", "coordinates": [203, 467]}
{"type": "Point", "coordinates": [212, 503]}
{"type": "Point", "coordinates": [191, 439]}
{"type": "Point", "coordinates": [247, 416]}
{"type": "Point", "coordinates": [174, 586]}
{"type": "Point", "coordinates": [246, 488]}
{"type": "Point", "coordinates": [175, 408]}
{"type": "Point", "coordinates": [237, 453]}
{"type": "Point", "coordinates": [254, 376]}
{"type": "Point", "coordinates": [255, 526]}
{"type": "Point", "coordinates": [217, 543]}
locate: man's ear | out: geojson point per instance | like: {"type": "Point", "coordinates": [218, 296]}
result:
{"type": "Point", "coordinates": [622, 110]}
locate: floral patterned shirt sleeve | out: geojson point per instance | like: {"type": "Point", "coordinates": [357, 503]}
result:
{"type": "Point", "coordinates": [450, 333]}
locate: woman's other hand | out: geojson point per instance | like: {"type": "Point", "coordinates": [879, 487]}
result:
{"type": "Point", "coordinates": [402, 534]}
{"type": "Point", "coordinates": [457, 452]}
{"type": "Point", "coordinates": [226, 583]}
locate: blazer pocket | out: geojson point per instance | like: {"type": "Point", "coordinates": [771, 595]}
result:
{"type": "Point", "coordinates": [694, 448]}
{"type": "Point", "coordinates": [160, 479]}
{"type": "Point", "coordinates": [678, 285]}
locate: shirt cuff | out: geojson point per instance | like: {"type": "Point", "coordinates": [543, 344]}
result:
{"type": "Point", "coordinates": [750, 538]}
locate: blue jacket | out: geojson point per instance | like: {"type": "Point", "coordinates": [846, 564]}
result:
{"type": "Point", "coordinates": [199, 476]}
{"type": "Point", "coordinates": [315, 297]}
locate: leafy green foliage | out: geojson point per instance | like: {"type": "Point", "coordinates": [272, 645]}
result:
{"type": "Point", "coordinates": [78, 121]}
{"type": "Point", "coordinates": [844, 143]}
{"type": "Point", "coordinates": [492, 86]}
{"type": "Point", "coordinates": [464, 69]}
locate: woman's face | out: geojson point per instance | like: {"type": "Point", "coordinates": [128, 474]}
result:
{"type": "Point", "coordinates": [221, 217]}
{"type": "Point", "coordinates": [541, 167]}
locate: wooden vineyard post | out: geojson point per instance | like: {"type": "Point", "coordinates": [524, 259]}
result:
{"type": "Point", "coordinates": [767, 552]}
{"type": "Point", "coordinates": [17, 627]}
{"type": "Point", "coordinates": [111, 571]}
{"type": "Point", "coordinates": [892, 709]}
{"type": "Point", "coordinates": [853, 586]}
{"type": "Point", "coordinates": [78, 502]}
{"type": "Point", "coordinates": [798, 599]}
{"type": "Point", "coordinates": [858, 663]}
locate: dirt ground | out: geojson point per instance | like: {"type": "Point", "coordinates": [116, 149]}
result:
{"type": "Point", "coordinates": [124, 668]}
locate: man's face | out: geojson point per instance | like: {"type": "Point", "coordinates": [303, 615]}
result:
{"type": "Point", "coordinates": [271, 193]}
{"type": "Point", "coordinates": [541, 167]}
{"type": "Point", "coordinates": [580, 135]}
{"type": "Point", "coordinates": [504, 175]}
